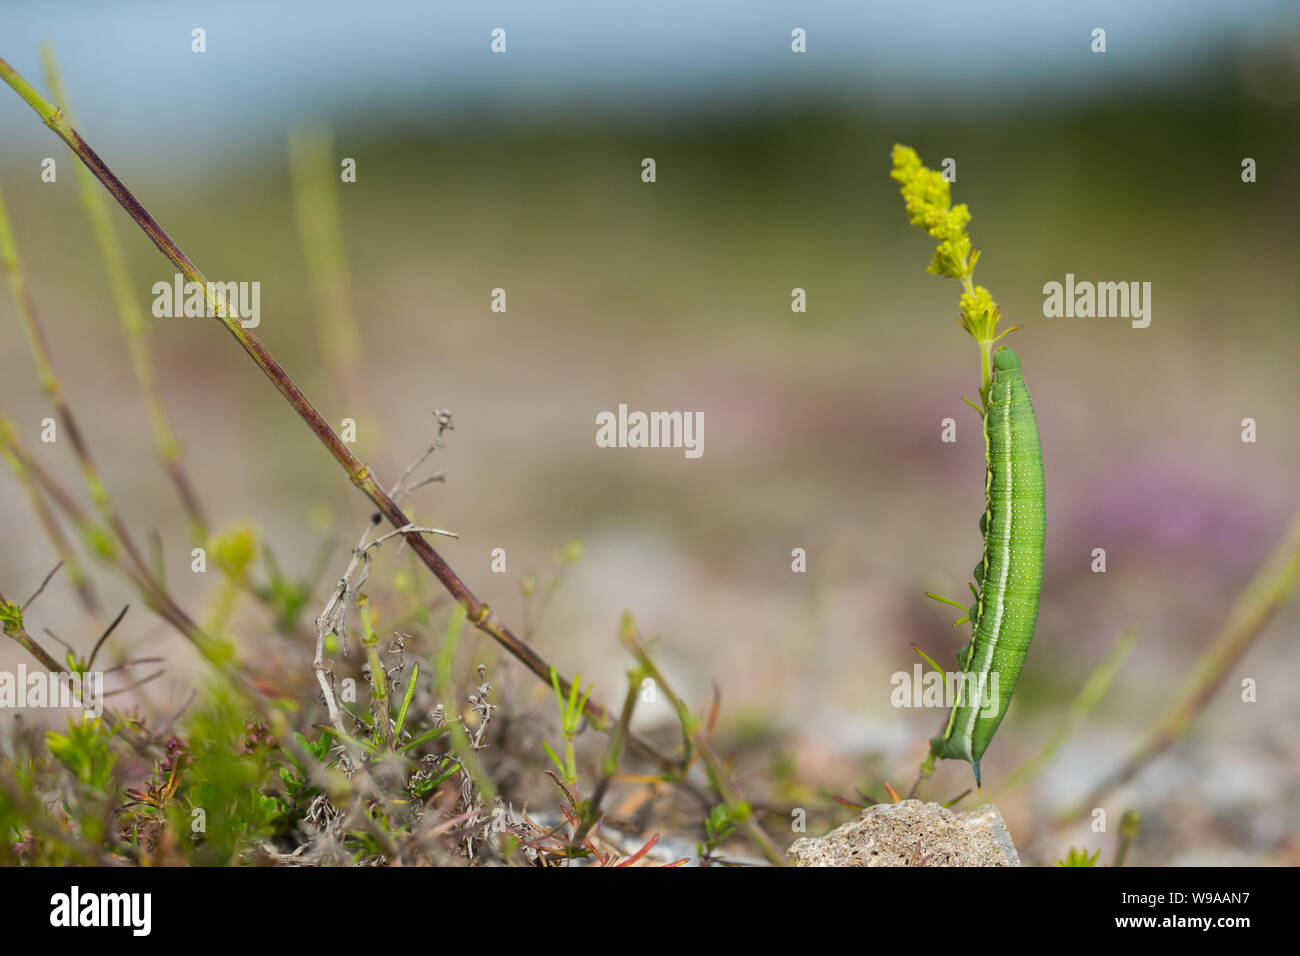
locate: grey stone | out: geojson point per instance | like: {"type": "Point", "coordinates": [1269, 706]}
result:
{"type": "Point", "coordinates": [912, 833]}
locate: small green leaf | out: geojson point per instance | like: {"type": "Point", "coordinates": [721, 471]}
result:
{"type": "Point", "coordinates": [1079, 857]}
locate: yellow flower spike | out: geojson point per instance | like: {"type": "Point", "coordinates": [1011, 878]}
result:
{"type": "Point", "coordinates": [929, 207]}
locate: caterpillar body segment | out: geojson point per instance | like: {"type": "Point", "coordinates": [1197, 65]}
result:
{"type": "Point", "coordinates": [1010, 576]}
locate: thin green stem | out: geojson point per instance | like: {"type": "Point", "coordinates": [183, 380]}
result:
{"type": "Point", "coordinates": [380, 707]}
{"type": "Point", "coordinates": [53, 388]}
{"type": "Point", "coordinates": [924, 772]}
{"type": "Point", "coordinates": [984, 342]}
{"type": "Point", "coordinates": [589, 811]}
{"type": "Point", "coordinates": [166, 446]}
{"type": "Point", "coordinates": [1094, 688]}
{"type": "Point", "coordinates": [78, 579]}
{"type": "Point", "coordinates": [315, 181]}
{"type": "Point", "coordinates": [1271, 587]}
{"type": "Point", "coordinates": [738, 808]}
{"type": "Point", "coordinates": [444, 684]}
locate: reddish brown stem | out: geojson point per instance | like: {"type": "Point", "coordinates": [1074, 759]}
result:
{"type": "Point", "coordinates": [479, 614]}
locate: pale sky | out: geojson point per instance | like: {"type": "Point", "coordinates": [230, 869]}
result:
{"type": "Point", "coordinates": [138, 87]}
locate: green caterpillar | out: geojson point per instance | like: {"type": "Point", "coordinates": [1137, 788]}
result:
{"type": "Point", "coordinates": [1010, 577]}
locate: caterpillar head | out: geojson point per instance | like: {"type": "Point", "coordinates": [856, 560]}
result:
{"type": "Point", "coordinates": [1005, 359]}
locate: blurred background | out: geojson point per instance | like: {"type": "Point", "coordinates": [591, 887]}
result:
{"type": "Point", "coordinates": [522, 171]}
